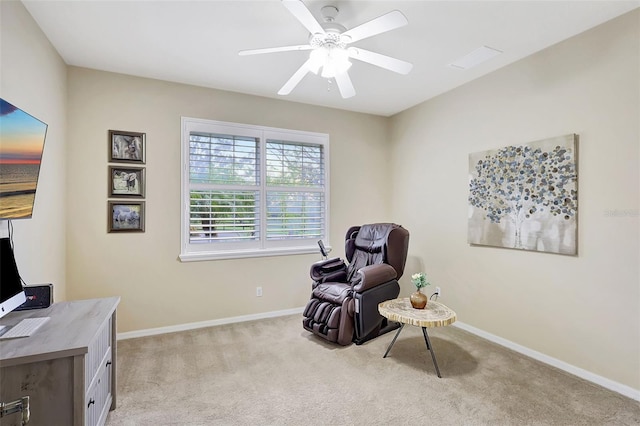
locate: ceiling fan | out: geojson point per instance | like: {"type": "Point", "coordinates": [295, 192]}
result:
{"type": "Point", "coordinates": [329, 43]}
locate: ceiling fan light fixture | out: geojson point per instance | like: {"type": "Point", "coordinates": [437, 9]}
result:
{"type": "Point", "coordinates": [332, 59]}
{"type": "Point", "coordinates": [332, 69]}
{"type": "Point", "coordinates": [317, 58]}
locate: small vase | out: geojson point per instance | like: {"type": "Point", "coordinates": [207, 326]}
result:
{"type": "Point", "coordinates": [418, 300]}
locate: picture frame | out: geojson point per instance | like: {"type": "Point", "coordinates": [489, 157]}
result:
{"type": "Point", "coordinates": [125, 216]}
{"type": "Point", "coordinates": [126, 181]}
{"type": "Point", "coordinates": [127, 147]}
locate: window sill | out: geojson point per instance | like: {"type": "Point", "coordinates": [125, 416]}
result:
{"type": "Point", "coordinates": [240, 254]}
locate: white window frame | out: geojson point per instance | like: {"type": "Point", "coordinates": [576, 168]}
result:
{"type": "Point", "coordinates": [212, 251]}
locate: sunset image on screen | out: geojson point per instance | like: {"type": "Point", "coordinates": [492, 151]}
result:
{"type": "Point", "coordinates": [21, 145]}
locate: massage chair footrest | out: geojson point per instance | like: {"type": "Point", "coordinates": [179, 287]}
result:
{"type": "Point", "coordinates": [322, 318]}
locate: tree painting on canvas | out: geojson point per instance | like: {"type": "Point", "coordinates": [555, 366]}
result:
{"type": "Point", "coordinates": [525, 196]}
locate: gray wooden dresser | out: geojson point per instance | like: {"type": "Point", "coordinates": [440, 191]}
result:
{"type": "Point", "coordinates": [67, 367]}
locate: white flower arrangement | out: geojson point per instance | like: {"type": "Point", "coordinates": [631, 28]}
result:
{"type": "Point", "coordinates": [419, 280]}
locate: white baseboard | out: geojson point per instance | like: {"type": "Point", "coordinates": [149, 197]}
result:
{"type": "Point", "coordinates": [571, 369]}
{"type": "Point", "coordinates": [203, 324]}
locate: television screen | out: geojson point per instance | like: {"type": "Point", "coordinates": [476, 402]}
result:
{"type": "Point", "coordinates": [21, 144]}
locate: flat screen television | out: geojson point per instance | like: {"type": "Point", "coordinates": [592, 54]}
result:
{"type": "Point", "coordinates": [21, 145]}
{"type": "Point", "coordinates": [11, 292]}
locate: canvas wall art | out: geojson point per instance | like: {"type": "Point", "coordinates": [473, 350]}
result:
{"type": "Point", "coordinates": [525, 196]}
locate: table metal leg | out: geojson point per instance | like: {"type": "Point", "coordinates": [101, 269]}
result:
{"type": "Point", "coordinates": [394, 340]}
{"type": "Point", "coordinates": [430, 347]}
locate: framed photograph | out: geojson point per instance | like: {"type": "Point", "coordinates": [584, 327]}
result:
{"type": "Point", "coordinates": [126, 146]}
{"type": "Point", "coordinates": [126, 181]}
{"type": "Point", "coordinates": [124, 216]}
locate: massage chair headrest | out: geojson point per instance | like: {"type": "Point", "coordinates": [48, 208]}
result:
{"type": "Point", "coordinates": [377, 238]}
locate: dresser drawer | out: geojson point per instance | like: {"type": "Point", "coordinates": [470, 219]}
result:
{"type": "Point", "coordinates": [99, 396]}
{"type": "Point", "coordinates": [97, 352]}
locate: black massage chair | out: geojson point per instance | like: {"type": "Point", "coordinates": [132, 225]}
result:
{"type": "Point", "coordinates": [344, 299]}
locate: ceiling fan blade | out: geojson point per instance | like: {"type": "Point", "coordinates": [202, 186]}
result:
{"type": "Point", "coordinates": [295, 79]}
{"type": "Point", "coordinates": [302, 14]}
{"type": "Point", "coordinates": [345, 85]}
{"type": "Point", "coordinates": [381, 24]}
{"type": "Point", "coordinates": [382, 61]}
{"type": "Point", "coordinates": [274, 49]}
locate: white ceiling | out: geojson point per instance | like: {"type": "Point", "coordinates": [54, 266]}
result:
{"type": "Point", "coordinates": [197, 42]}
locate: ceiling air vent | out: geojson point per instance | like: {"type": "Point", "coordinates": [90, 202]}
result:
{"type": "Point", "coordinates": [476, 57]}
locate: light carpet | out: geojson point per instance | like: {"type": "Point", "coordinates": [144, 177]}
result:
{"type": "Point", "coordinates": [273, 372]}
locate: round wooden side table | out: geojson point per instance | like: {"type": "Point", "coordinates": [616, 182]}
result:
{"type": "Point", "coordinates": [435, 314]}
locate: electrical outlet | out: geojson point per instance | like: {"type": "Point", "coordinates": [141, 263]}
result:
{"type": "Point", "coordinates": [259, 291]}
{"type": "Point", "coordinates": [438, 292]}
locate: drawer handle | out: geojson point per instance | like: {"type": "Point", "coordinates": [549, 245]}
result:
{"type": "Point", "coordinates": [108, 363]}
{"type": "Point", "coordinates": [91, 401]}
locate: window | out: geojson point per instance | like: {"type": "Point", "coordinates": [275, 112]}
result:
{"type": "Point", "coordinates": [252, 191]}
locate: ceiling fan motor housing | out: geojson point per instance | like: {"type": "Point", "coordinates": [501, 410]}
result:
{"type": "Point", "coordinates": [332, 29]}
{"type": "Point", "coordinates": [330, 37]}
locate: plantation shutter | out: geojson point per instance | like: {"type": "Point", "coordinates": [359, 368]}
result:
{"type": "Point", "coordinates": [294, 190]}
{"type": "Point", "coordinates": [224, 197]}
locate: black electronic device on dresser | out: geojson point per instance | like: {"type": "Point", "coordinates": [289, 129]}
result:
{"type": "Point", "coordinates": [38, 297]}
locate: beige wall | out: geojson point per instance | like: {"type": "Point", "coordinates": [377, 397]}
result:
{"type": "Point", "coordinates": [582, 310]}
{"type": "Point", "coordinates": [156, 288]}
{"type": "Point", "coordinates": [33, 77]}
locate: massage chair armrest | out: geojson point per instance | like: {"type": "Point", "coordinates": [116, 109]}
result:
{"type": "Point", "coordinates": [329, 270]}
{"type": "Point", "coordinates": [373, 275]}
